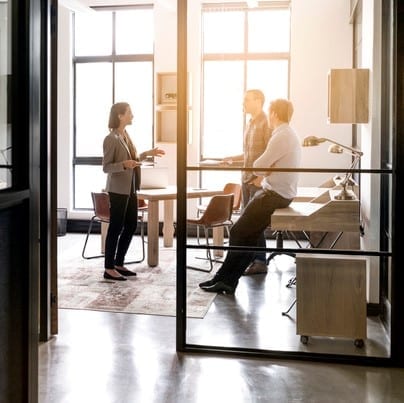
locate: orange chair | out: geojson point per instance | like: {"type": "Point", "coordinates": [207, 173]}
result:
{"type": "Point", "coordinates": [229, 188]}
{"type": "Point", "coordinates": [101, 214]}
{"type": "Point", "coordinates": [218, 213]}
{"type": "Point", "coordinates": [234, 188]}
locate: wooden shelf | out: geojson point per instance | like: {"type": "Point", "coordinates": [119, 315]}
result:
{"type": "Point", "coordinates": [166, 107]}
{"type": "Point", "coordinates": [166, 89]}
{"type": "Point", "coordinates": [166, 126]}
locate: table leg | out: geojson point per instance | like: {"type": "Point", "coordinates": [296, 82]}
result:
{"type": "Point", "coordinates": [153, 233]}
{"type": "Point", "coordinates": [218, 240]}
{"type": "Point", "coordinates": [104, 230]}
{"type": "Point", "coordinates": [168, 226]}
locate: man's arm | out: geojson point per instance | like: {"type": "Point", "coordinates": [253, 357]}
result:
{"type": "Point", "coordinates": [233, 159]}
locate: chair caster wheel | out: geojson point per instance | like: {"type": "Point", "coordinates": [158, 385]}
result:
{"type": "Point", "coordinates": [359, 343]}
{"type": "Point", "coordinates": [304, 339]}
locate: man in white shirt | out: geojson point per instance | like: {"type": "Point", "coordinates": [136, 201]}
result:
{"type": "Point", "coordinates": [278, 190]}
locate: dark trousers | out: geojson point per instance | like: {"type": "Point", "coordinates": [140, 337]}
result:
{"type": "Point", "coordinates": [246, 232]}
{"type": "Point", "coordinates": [248, 192]}
{"type": "Point", "coordinates": [122, 226]}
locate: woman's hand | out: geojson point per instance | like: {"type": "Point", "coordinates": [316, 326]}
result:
{"type": "Point", "coordinates": [131, 164]}
{"type": "Point", "coordinates": [154, 152]}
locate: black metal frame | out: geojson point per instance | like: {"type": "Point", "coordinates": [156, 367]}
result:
{"type": "Point", "coordinates": [397, 172]}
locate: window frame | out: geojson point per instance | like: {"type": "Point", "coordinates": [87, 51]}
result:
{"type": "Point", "coordinates": [113, 58]}
{"type": "Point", "coordinates": [244, 56]}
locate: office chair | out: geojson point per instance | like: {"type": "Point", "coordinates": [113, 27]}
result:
{"type": "Point", "coordinates": [229, 188]}
{"type": "Point", "coordinates": [101, 214]}
{"type": "Point", "coordinates": [279, 245]}
{"type": "Point", "coordinates": [217, 214]}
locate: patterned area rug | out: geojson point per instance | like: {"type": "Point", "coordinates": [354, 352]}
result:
{"type": "Point", "coordinates": [151, 292]}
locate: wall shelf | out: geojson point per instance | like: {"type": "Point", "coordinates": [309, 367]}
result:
{"type": "Point", "coordinates": [348, 96]}
{"type": "Point", "coordinates": [166, 107]}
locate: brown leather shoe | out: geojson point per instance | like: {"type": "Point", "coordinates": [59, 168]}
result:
{"type": "Point", "coordinates": [256, 268]}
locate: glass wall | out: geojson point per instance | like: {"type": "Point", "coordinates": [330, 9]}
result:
{"type": "Point", "coordinates": [321, 295]}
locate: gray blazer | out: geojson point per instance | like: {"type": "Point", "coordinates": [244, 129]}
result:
{"type": "Point", "coordinates": [119, 179]}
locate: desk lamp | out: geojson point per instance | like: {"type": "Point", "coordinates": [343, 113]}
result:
{"type": "Point", "coordinates": [337, 148]}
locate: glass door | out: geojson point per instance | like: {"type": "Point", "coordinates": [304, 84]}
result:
{"type": "Point", "coordinates": [320, 297]}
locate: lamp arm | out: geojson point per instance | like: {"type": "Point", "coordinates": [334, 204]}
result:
{"type": "Point", "coordinates": [351, 149]}
{"type": "Point", "coordinates": [348, 175]}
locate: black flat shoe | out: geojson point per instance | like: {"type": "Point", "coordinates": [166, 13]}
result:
{"type": "Point", "coordinates": [109, 277]}
{"type": "Point", "coordinates": [208, 283]}
{"type": "Point", "coordinates": [219, 287]}
{"type": "Point", "coordinates": [125, 272]}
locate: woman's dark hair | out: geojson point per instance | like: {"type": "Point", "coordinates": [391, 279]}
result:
{"type": "Point", "coordinates": [116, 109]}
{"type": "Point", "coordinates": [283, 108]}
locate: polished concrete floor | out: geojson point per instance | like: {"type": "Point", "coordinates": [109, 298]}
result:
{"type": "Point", "coordinates": [123, 358]}
{"type": "Point", "coordinates": [114, 357]}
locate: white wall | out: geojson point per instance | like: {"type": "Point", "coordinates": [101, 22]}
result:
{"type": "Point", "coordinates": [321, 40]}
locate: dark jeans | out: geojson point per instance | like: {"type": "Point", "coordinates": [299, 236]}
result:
{"type": "Point", "coordinates": [248, 192]}
{"type": "Point", "coordinates": [246, 232]}
{"type": "Point", "coordinates": [122, 226]}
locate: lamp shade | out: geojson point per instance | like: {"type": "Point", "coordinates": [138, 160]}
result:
{"type": "Point", "coordinates": [335, 149]}
{"type": "Point", "coordinates": [311, 141]}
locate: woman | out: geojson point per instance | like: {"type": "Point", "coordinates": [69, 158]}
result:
{"type": "Point", "coordinates": [122, 164]}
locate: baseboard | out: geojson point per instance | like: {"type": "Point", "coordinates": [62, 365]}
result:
{"type": "Point", "coordinates": [373, 309]}
{"type": "Point", "coordinates": [81, 227]}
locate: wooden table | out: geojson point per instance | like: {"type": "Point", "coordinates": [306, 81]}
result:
{"type": "Point", "coordinates": [167, 195]}
{"type": "Point", "coordinates": [328, 216]}
{"type": "Point", "coordinates": [310, 193]}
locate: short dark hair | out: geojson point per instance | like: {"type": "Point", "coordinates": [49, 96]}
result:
{"type": "Point", "coordinates": [283, 108]}
{"type": "Point", "coordinates": [257, 94]}
{"type": "Point", "coordinates": [116, 109]}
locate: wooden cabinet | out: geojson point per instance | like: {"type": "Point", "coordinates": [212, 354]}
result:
{"type": "Point", "coordinates": [331, 297]}
{"type": "Point", "coordinates": [348, 96]}
{"type": "Point", "coordinates": [166, 108]}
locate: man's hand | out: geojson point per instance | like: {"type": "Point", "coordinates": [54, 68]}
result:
{"type": "Point", "coordinates": [257, 181]}
{"type": "Point", "coordinates": [227, 161]}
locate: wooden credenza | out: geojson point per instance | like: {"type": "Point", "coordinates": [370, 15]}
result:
{"type": "Point", "coordinates": [330, 289]}
{"type": "Point", "coordinates": [331, 297]}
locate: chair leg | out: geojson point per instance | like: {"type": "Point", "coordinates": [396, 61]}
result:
{"type": "Point", "coordinates": [197, 235]}
{"type": "Point", "coordinates": [279, 245]}
{"type": "Point", "coordinates": [85, 242]}
{"type": "Point", "coordinates": [102, 255]}
{"type": "Point", "coordinates": [143, 242]}
{"type": "Point", "coordinates": [208, 255]}
{"type": "Point", "coordinates": [285, 313]}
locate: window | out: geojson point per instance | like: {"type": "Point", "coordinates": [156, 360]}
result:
{"type": "Point", "coordinates": [113, 61]}
{"type": "Point", "coordinates": [251, 52]}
